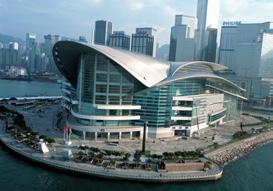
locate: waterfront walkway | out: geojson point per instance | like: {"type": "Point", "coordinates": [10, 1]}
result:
{"type": "Point", "coordinates": [51, 159]}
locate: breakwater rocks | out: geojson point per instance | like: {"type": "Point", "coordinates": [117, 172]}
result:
{"type": "Point", "coordinates": [231, 152]}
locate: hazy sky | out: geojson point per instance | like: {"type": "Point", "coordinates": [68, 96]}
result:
{"type": "Point", "coordinates": [76, 17]}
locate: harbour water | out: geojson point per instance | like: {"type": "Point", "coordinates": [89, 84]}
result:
{"type": "Point", "coordinates": [253, 172]}
{"type": "Point", "coordinates": [12, 88]}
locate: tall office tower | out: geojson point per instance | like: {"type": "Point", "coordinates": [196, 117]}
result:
{"type": "Point", "coordinates": [182, 38]}
{"type": "Point", "coordinates": [119, 40]}
{"type": "Point", "coordinates": [103, 29]}
{"type": "Point", "coordinates": [31, 46]}
{"type": "Point", "coordinates": [208, 18]}
{"type": "Point", "coordinates": [144, 41]}
{"type": "Point", "coordinates": [247, 49]}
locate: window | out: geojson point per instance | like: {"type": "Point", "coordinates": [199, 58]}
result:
{"type": "Point", "coordinates": [101, 77]}
{"type": "Point", "coordinates": [126, 100]}
{"type": "Point", "coordinates": [113, 112]}
{"type": "Point", "coordinates": [125, 112]}
{"type": "Point", "coordinates": [114, 99]}
{"type": "Point", "coordinates": [127, 89]}
{"type": "Point", "coordinates": [126, 78]}
{"type": "Point", "coordinates": [114, 89]}
{"type": "Point", "coordinates": [113, 67]}
{"type": "Point", "coordinates": [101, 88]}
{"type": "Point", "coordinates": [115, 78]}
{"type": "Point", "coordinates": [102, 63]}
{"type": "Point", "coordinates": [100, 99]}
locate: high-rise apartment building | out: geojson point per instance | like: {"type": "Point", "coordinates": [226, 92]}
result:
{"type": "Point", "coordinates": [144, 41]}
{"type": "Point", "coordinates": [103, 29]}
{"type": "Point", "coordinates": [182, 41]}
{"type": "Point", "coordinates": [10, 55]}
{"type": "Point", "coordinates": [119, 40]}
{"type": "Point", "coordinates": [206, 39]}
{"type": "Point", "coordinates": [247, 49]}
{"type": "Point", "coordinates": [48, 62]}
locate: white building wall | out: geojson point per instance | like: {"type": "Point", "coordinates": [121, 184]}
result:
{"type": "Point", "coordinates": [215, 103]}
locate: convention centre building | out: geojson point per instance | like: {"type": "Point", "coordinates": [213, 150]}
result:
{"type": "Point", "coordinates": [117, 91]}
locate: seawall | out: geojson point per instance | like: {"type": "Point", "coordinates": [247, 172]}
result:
{"type": "Point", "coordinates": [231, 152]}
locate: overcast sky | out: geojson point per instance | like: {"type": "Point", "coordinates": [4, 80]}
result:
{"type": "Point", "coordinates": [72, 18]}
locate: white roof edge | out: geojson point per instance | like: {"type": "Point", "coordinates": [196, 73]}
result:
{"type": "Point", "coordinates": [176, 66]}
{"type": "Point", "coordinates": [201, 75]}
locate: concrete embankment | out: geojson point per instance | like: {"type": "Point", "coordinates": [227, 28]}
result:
{"type": "Point", "coordinates": [231, 152]}
{"type": "Point", "coordinates": [121, 174]}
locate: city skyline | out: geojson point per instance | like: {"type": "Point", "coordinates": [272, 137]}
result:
{"type": "Point", "coordinates": [68, 19]}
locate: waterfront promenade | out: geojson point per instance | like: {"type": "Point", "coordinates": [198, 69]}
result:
{"type": "Point", "coordinates": [122, 174]}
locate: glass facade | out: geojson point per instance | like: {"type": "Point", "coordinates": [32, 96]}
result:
{"type": "Point", "coordinates": [118, 92]}
{"type": "Point", "coordinates": [212, 118]}
{"type": "Point", "coordinates": [156, 103]}
{"type": "Point", "coordinates": [102, 81]}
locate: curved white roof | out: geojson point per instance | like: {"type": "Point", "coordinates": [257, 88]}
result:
{"type": "Point", "coordinates": [176, 66]}
{"type": "Point", "coordinates": [196, 76]}
{"type": "Point", "coordinates": [146, 69]}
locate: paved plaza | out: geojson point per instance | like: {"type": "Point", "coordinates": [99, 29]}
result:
{"type": "Point", "coordinates": [44, 120]}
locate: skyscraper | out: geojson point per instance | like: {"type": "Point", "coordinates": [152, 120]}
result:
{"type": "Point", "coordinates": [119, 40]}
{"type": "Point", "coordinates": [206, 39]}
{"type": "Point", "coordinates": [31, 46]}
{"type": "Point", "coordinates": [49, 41]}
{"type": "Point", "coordinates": [182, 38]}
{"type": "Point", "coordinates": [247, 49]}
{"type": "Point", "coordinates": [144, 41]}
{"type": "Point", "coordinates": [103, 29]}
